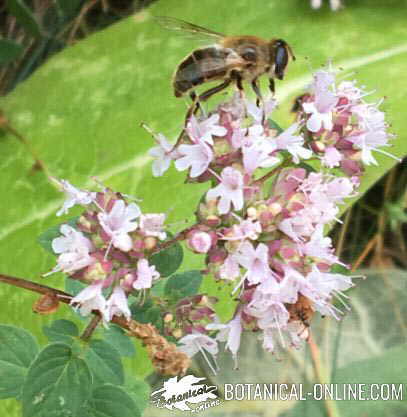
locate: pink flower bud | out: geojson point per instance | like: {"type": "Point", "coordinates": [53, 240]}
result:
{"type": "Point", "coordinates": [200, 242]}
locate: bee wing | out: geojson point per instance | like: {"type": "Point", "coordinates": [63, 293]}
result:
{"type": "Point", "coordinates": [189, 29]}
{"type": "Point", "coordinates": [213, 66]}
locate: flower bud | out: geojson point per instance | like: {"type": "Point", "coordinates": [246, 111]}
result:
{"type": "Point", "coordinates": [199, 242]}
{"type": "Point", "coordinates": [150, 243]}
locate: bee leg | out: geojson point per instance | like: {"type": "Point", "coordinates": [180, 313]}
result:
{"type": "Point", "coordinates": [257, 91]}
{"type": "Point", "coordinates": [272, 86]}
{"type": "Point", "coordinates": [205, 95]}
{"type": "Point", "coordinates": [235, 75]}
{"type": "Point", "coordinates": [193, 107]}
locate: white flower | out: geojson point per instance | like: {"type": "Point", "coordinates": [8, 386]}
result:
{"type": "Point", "coordinates": [73, 196]}
{"type": "Point", "coordinates": [256, 262]}
{"type": "Point", "coordinates": [117, 304]}
{"type": "Point", "coordinates": [197, 157]}
{"type": "Point", "coordinates": [230, 191]}
{"type": "Point", "coordinates": [257, 153]}
{"type": "Point", "coordinates": [321, 111]}
{"type": "Point", "coordinates": [91, 298]}
{"type": "Point", "coordinates": [119, 222]}
{"type": "Point", "coordinates": [163, 154]}
{"type": "Point", "coordinates": [71, 241]}
{"type": "Point", "coordinates": [230, 333]}
{"type": "Point", "coordinates": [73, 249]}
{"type": "Point", "coordinates": [195, 342]}
{"type": "Point", "coordinates": [370, 141]}
{"type": "Point", "coordinates": [259, 112]}
{"type": "Point", "coordinates": [152, 225]}
{"type": "Point", "coordinates": [202, 131]}
{"type": "Point", "coordinates": [146, 274]}
{"type": "Point", "coordinates": [319, 246]}
{"type": "Point", "coordinates": [230, 269]}
{"type": "Point", "coordinates": [293, 144]}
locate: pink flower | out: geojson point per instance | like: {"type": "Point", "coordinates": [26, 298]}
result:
{"type": "Point", "coordinates": [197, 157]}
{"type": "Point", "coordinates": [246, 229]}
{"type": "Point", "coordinates": [146, 274]}
{"type": "Point", "coordinates": [321, 111]}
{"type": "Point", "coordinates": [320, 247]}
{"type": "Point", "coordinates": [117, 304]}
{"type": "Point", "coordinates": [202, 131]}
{"type": "Point", "coordinates": [255, 261]}
{"type": "Point", "coordinates": [91, 298]}
{"type": "Point", "coordinates": [293, 144]}
{"type": "Point", "coordinates": [152, 225]}
{"type": "Point", "coordinates": [73, 196]}
{"type": "Point", "coordinates": [119, 222]}
{"type": "Point", "coordinates": [332, 157]}
{"type": "Point", "coordinates": [163, 154]}
{"type": "Point", "coordinates": [230, 191]}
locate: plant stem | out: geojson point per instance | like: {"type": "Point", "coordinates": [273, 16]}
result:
{"type": "Point", "coordinates": [91, 327]}
{"type": "Point", "coordinates": [322, 377]}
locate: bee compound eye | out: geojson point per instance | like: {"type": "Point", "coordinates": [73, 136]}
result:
{"type": "Point", "coordinates": [281, 61]}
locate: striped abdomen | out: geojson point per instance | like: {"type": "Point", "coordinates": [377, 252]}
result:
{"type": "Point", "coordinates": [200, 66]}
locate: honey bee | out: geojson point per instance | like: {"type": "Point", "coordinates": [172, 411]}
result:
{"type": "Point", "coordinates": [228, 58]}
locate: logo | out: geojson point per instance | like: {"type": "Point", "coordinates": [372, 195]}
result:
{"type": "Point", "coordinates": [179, 394]}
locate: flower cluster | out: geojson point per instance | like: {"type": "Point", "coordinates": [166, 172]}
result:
{"type": "Point", "coordinates": [108, 249]}
{"type": "Point", "coordinates": [274, 194]}
{"type": "Point", "coordinates": [262, 225]}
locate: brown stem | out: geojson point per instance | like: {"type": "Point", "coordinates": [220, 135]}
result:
{"type": "Point", "coordinates": [180, 236]}
{"type": "Point", "coordinates": [274, 171]}
{"type": "Point", "coordinates": [91, 327]}
{"type": "Point", "coordinates": [164, 355]}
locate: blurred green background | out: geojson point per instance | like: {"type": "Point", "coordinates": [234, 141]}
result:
{"type": "Point", "coordinates": [78, 78]}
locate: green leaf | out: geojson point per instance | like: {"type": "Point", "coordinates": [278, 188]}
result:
{"type": "Point", "coordinates": [183, 285]}
{"type": "Point", "coordinates": [274, 125]}
{"type": "Point", "coordinates": [24, 16]}
{"type": "Point", "coordinates": [111, 401]}
{"type": "Point", "coordinates": [104, 362]}
{"type": "Point", "coordinates": [147, 313]}
{"type": "Point", "coordinates": [116, 337]}
{"type": "Point", "coordinates": [57, 383]}
{"type": "Point", "coordinates": [18, 348]}
{"type": "Point", "coordinates": [74, 287]}
{"type": "Point", "coordinates": [45, 239]}
{"type": "Point", "coordinates": [168, 260]}
{"type": "Point", "coordinates": [61, 331]}
{"type": "Point", "coordinates": [138, 390]}
{"type": "Point", "coordinates": [9, 51]}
